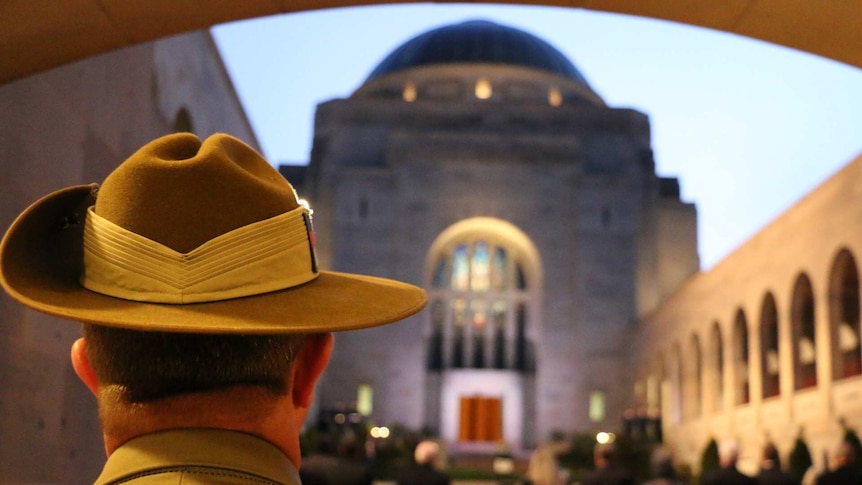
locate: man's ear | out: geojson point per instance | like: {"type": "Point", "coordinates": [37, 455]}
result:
{"type": "Point", "coordinates": [81, 364]}
{"type": "Point", "coordinates": [309, 363]}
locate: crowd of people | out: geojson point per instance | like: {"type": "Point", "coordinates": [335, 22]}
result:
{"type": "Point", "coordinates": [842, 468]}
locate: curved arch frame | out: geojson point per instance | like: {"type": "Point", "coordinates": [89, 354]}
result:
{"type": "Point", "coordinates": [476, 226]}
{"type": "Point", "coordinates": [716, 366]}
{"type": "Point", "coordinates": [770, 359]}
{"type": "Point", "coordinates": [803, 322]}
{"type": "Point", "coordinates": [676, 377]}
{"type": "Point", "coordinates": [741, 359]}
{"type": "Point", "coordinates": [844, 309]}
{"type": "Point", "coordinates": [34, 39]}
{"type": "Point", "coordinates": [694, 378]}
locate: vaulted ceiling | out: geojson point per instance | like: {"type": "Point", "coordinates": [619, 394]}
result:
{"type": "Point", "coordinates": [40, 34]}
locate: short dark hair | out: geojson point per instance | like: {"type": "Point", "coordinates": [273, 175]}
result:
{"type": "Point", "coordinates": [155, 365]}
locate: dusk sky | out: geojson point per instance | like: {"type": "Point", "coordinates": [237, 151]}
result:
{"type": "Point", "coordinates": [748, 127]}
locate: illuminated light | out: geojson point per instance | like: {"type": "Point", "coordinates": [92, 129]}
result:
{"type": "Point", "coordinates": [503, 465]}
{"type": "Point", "coordinates": [384, 432]}
{"type": "Point", "coordinates": [409, 93]}
{"type": "Point", "coordinates": [597, 406]}
{"type": "Point", "coordinates": [374, 432]}
{"type": "Point", "coordinates": [339, 418]}
{"type": "Point", "coordinates": [483, 88]}
{"type": "Point", "coordinates": [364, 399]}
{"type": "Point", "coordinates": [604, 438]}
{"type": "Point", "coordinates": [555, 97]}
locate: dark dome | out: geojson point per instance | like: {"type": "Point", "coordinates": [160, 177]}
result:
{"type": "Point", "coordinates": [478, 41]}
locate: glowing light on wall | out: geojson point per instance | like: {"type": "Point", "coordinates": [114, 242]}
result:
{"type": "Point", "coordinates": [597, 406]}
{"type": "Point", "coordinates": [409, 93]}
{"type": "Point", "coordinates": [483, 88]}
{"type": "Point", "coordinates": [364, 399]}
{"type": "Point", "coordinates": [555, 97]}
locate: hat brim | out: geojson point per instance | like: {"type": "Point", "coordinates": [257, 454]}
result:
{"type": "Point", "coordinates": [41, 261]}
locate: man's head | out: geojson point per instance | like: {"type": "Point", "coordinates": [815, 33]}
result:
{"type": "Point", "coordinates": [148, 366]}
{"type": "Point", "coordinates": [426, 452]}
{"type": "Point", "coordinates": [193, 269]}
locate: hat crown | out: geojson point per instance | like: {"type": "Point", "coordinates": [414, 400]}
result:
{"type": "Point", "coordinates": [182, 192]}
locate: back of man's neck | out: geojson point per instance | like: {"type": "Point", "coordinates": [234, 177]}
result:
{"type": "Point", "coordinates": [254, 411]}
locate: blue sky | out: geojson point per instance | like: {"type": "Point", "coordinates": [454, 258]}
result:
{"type": "Point", "coordinates": [747, 126]}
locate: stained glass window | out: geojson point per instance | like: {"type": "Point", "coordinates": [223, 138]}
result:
{"type": "Point", "coordinates": [480, 286]}
{"type": "Point", "coordinates": [480, 271]}
{"type": "Point", "coordinates": [499, 271]}
{"type": "Point", "coordinates": [440, 274]}
{"type": "Point", "coordinates": [460, 268]}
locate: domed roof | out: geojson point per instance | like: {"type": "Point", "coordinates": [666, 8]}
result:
{"type": "Point", "coordinates": [478, 41]}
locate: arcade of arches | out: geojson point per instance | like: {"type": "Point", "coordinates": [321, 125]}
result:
{"type": "Point", "coordinates": [765, 347]}
{"type": "Point", "coordinates": [692, 375]}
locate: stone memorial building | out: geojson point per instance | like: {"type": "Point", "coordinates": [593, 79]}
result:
{"type": "Point", "coordinates": [477, 161]}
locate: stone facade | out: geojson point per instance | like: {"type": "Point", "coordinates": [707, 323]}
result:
{"type": "Point", "coordinates": [70, 126]}
{"type": "Point", "coordinates": [419, 162]}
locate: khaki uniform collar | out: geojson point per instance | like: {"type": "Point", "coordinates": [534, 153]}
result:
{"type": "Point", "coordinates": [199, 447]}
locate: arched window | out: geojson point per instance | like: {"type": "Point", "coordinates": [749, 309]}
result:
{"type": "Point", "coordinates": [653, 388]}
{"type": "Point", "coordinates": [676, 393]}
{"type": "Point", "coordinates": [805, 343]}
{"type": "Point", "coordinates": [694, 368]}
{"type": "Point", "coordinates": [741, 391]}
{"type": "Point", "coordinates": [844, 316]}
{"type": "Point", "coordinates": [770, 364]}
{"type": "Point", "coordinates": [480, 312]}
{"type": "Point", "coordinates": [717, 365]}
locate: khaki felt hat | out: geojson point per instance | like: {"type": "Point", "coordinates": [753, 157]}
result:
{"type": "Point", "coordinates": [189, 236]}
